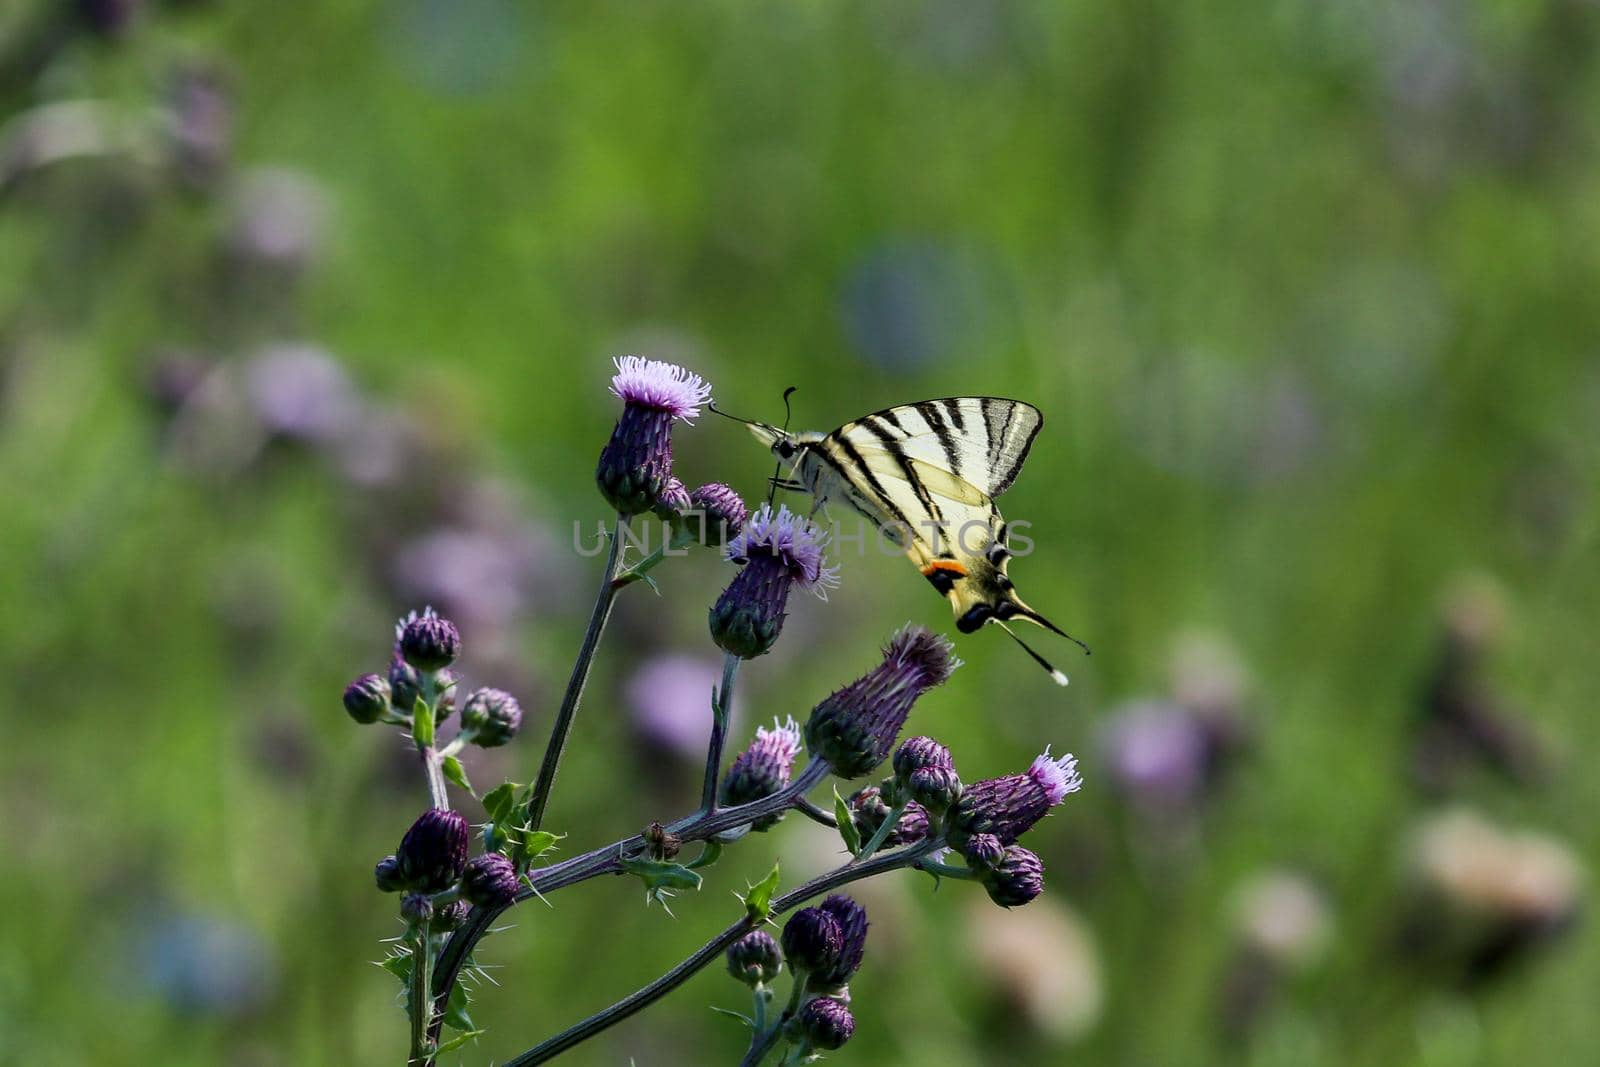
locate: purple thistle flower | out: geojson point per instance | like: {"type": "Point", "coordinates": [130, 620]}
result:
{"type": "Point", "coordinates": [433, 852]}
{"type": "Point", "coordinates": [777, 552]}
{"type": "Point", "coordinates": [416, 908]}
{"type": "Point", "coordinates": [915, 753]}
{"type": "Point", "coordinates": [869, 809]}
{"type": "Point", "coordinates": [754, 959]}
{"type": "Point", "coordinates": [852, 920]}
{"type": "Point", "coordinates": [935, 788]}
{"type": "Point", "coordinates": [812, 941]}
{"type": "Point", "coordinates": [491, 717]}
{"type": "Point", "coordinates": [490, 881]}
{"type": "Point", "coordinates": [717, 514]}
{"type": "Point", "coordinates": [367, 698]}
{"type": "Point", "coordinates": [763, 769]}
{"type": "Point", "coordinates": [855, 727]}
{"type": "Point", "coordinates": [1016, 879]}
{"type": "Point", "coordinates": [673, 501]}
{"type": "Point", "coordinates": [429, 643]}
{"type": "Point", "coordinates": [1008, 807]}
{"type": "Point", "coordinates": [826, 1024]}
{"type": "Point", "coordinates": [636, 465]}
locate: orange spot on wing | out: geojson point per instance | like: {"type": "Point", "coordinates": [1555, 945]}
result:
{"type": "Point", "coordinates": [949, 565]}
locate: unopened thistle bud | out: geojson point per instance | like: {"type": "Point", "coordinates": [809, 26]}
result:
{"type": "Point", "coordinates": [826, 1024]}
{"type": "Point", "coordinates": [1016, 879]}
{"type": "Point", "coordinates": [716, 514]}
{"type": "Point", "coordinates": [416, 909]}
{"type": "Point", "coordinates": [429, 643]}
{"type": "Point", "coordinates": [915, 753]}
{"type": "Point", "coordinates": [387, 875]}
{"type": "Point", "coordinates": [1008, 807]}
{"type": "Point", "coordinates": [449, 916]}
{"type": "Point", "coordinates": [983, 851]}
{"type": "Point", "coordinates": [812, 940]}
{"type": "Point", "coordinates": [673, 501]}
{"type": "Point", "coordinates": [754, 959]}
{"type": "Point", "coordinates": [491, 717]}
{"type": "Point", "coordinates": [852, 920]}
{"type": "Point", "coordinates": [490, 881]}
{"type": "Point", "coordinates": [855, 727]}
{"type": "Point", "coordinates": [763, 769]}
{"type": "Point", "coordinates": [776, 553]}
{"type": "Point", "coordinates": [636, 464]}
{"type": "Point", "coordinates": [367, 698]}
{"type": "Point", "coordinates": [935, 788]}
{"type": "Point", "coordinates": [433, 852]}
{"type": "Point", "coordinates": [405, 688]}
{"type": "Point", "coordinates": [870, 809]}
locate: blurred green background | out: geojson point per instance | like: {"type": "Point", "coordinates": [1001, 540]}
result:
{"type": "Point", "coordinates": [308, 311]}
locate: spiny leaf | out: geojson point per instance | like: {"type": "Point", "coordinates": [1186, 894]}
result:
{"type": "Point", "coordinates": [661, 874]}
{"type": "Point", "coordinates": [758, 902]}
{"type": "Point", "coordinates": [847, 823]}
{"type": "Point", "coordinates": [455, 1013]}
{"type": "Point", "coordinates": [457, 1041]}
{"type": "Point", "coordinates": [499, 801]}
{"type": "Point", "coordinates": [457, 774]}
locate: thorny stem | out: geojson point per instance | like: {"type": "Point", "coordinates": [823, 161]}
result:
{"type": "Point", "coordinates": [433, 766]}
{"type": "Point", "coordinates": [607, 859]}
{"type": "Point", "coordinates": [719, 731]}
{"type": "Point", "coordinates": [580, 675]}
{"type": "Point", "coordinates": [762, 1040]}
{"type": "Point", "coordinates": [711, 950]}
{"type": "Point", "coordinates": [421, 1002]}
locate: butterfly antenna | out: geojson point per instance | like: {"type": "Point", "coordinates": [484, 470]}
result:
{"type": "Point", "coordinates": [1034, 616]}
{"type": "Point", "coordinates": [1055, 675]}
{"type": "Point", "coordinates": [777, 470]}
{"type": "Point", "coordinates": [724, 414]}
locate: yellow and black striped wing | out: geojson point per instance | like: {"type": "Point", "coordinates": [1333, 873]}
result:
{"type": "Point", "coordinates": [981, 440]}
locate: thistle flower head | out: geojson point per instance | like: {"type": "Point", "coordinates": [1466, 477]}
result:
{"type": "Point", "coordinates": [812, 940]}
{"type": "Point", "coordinates": [490, 881]}
{"type": "Point", "coordinates": [656, 385]}
{"type": "Point", "coordinates": [718, 514]}
{"type": "Point", "coordinates": [427, 642]}
{"type": "Point", "coordinates": [387, 875]}
{"type": "Point", "coordinates": [869, 809]}
{"type": "Point", "coordinates": [763, 769]}
{"type": "Point", "coordinates": [855, 727]}
{"type": "Point", "coordinates": [983, 850]}
{"type": "Point", "coordinates": [635, 469]}
{"type": "Point", "coordinates": [416, 908]}
{"type": "Point", "coordinates": [1016, 879]}
{"type": "Point", "coordinates": [673, 500]}
{"type": "Point", "coordinates": [935, 788]}
{"type": "Point", "coordinates": [367, 698]}
{"type": "Point", "coordinates": [796, 543]}
{"type": "Point", "coordinates": [449, 916]}
{"type": "Point", "coordinates": [491, 717]}
{"type": "Point", "coordinates": [826, 1023]}
{"type": "Point", "coordinates": [1008, 807]}
{"type": "Point", "coordinates": [915, 753]}
{"type": "Point", "coordinates": [777, 552]}
{"type": "Point", "coordinates": [405, 687]}
{"type": "Point", "coordinates": [433, 852]}
{"type": "Point", "coordinates": [852, 920]}
{"type": "Point", "coordinates": [754, 959]}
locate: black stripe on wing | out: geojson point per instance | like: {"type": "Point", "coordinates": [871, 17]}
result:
{"type": "Point", "coordinates": [873, 425]}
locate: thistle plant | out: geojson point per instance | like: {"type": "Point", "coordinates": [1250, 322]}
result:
{"type": "Point", "coordinates": [920, 816]}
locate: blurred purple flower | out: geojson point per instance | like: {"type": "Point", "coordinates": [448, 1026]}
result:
{"type": "Point", "coordinates": [278, 220]}
{"type": "Point", "coordinates": [300, 392]}
{"type": "Point", "coordinates": [670, 698]}
{"type": "Point", "coordinates": [1156, 754]}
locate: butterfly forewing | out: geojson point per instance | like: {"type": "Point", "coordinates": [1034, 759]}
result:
{"type": "Point", "coordinates": [982, 440]}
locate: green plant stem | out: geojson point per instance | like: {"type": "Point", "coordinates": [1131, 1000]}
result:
{"type": "Point", "coordinates": [422, 1041]}
{"type": "Point", "coordinates": [761, 1041]}
{"type": "Point", "coordinates": [671, 544]}
{"type": "Point", "coordinates": [876, 841]}
{"type": "Point", "coordinates": [711, 950]}
{"type": "Point", "coordinates": [719, 731]}
{"type": "Point", "coordinates": [575, 683]}
{"type": "Point", "coordinates": [433, 766]}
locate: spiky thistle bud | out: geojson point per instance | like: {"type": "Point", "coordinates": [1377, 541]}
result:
{"type": "Point", "coordinates": [754, 959]}
{"type": "Point", "coordinates": [855, 727]}
{"type": "Point", "coordinates": [416, 909]}
{"type": "Point", "coordinates": [1016, 879]}
{"type": "Point", "coordinates": [433, 852]}
{"type": "Point", "coordinates": [776, 552]}
{"type": "Point", "coordinates": [915, 753]}
{"type": "Point", "coordinates": [367, 698]}
{"type": "Point", "coordinates": [490, 881]}
{"type": "Point", "coordinates": [673, 501]}
{"type": "Point", "coordinates": [1008, 807]}
{"type": "Point", "coordinates": [716, 514]}
{"type": "Point", "coordinates": [636, 464]}
{"type": "Point", "coordinates": [387, 875]}
{"type": "Point", "coordinates": [405, 688]}
{"type": "Point", "coordinates": [852, 920]}
{"type": "Point", "coordinates": [812, 940]}
{"type": "Point", "coordinates": [490, 717]}
{"type": "Point", "coordinates": [428, 642]}
{"type": "Point", "coordinates": [935, 788]}
{"type": "Point", "coordinates": [763, 769]}
{"type": "Point", "coordinates": [449, 916]}
{"type": "Point", "coordinates": [869, 809]}
{"type": "Point", "coordinates": [983, 851]}
{"type": "Point", "coordinates": [826, 1024]}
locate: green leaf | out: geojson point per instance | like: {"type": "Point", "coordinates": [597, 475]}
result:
{"type": "Point", "coordinates": [847, 823]}
{"type": "Point", "coordinates": [422, 724]}
{"type": "Point", "coordinates": [457, 1041]}
{"type": "Point", "coordinates": [539, 842]}
{"type": "Point", "coordinates": [751, 1023]}
{"type": "Point", "coordinates": [499, 801]}
{"type": "Point", "coordinates": [457, 774]}
{"type": "Point", "coordinates": [399, 965]}
{"type": "Point", "coordinates": [455, 1013]}
{"type": "Point", "coordinates": [661, 874]}
{"type": "Point", "coordinates": [758, 902]}
{"type": "Point", "coordinates": [709, 855]}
